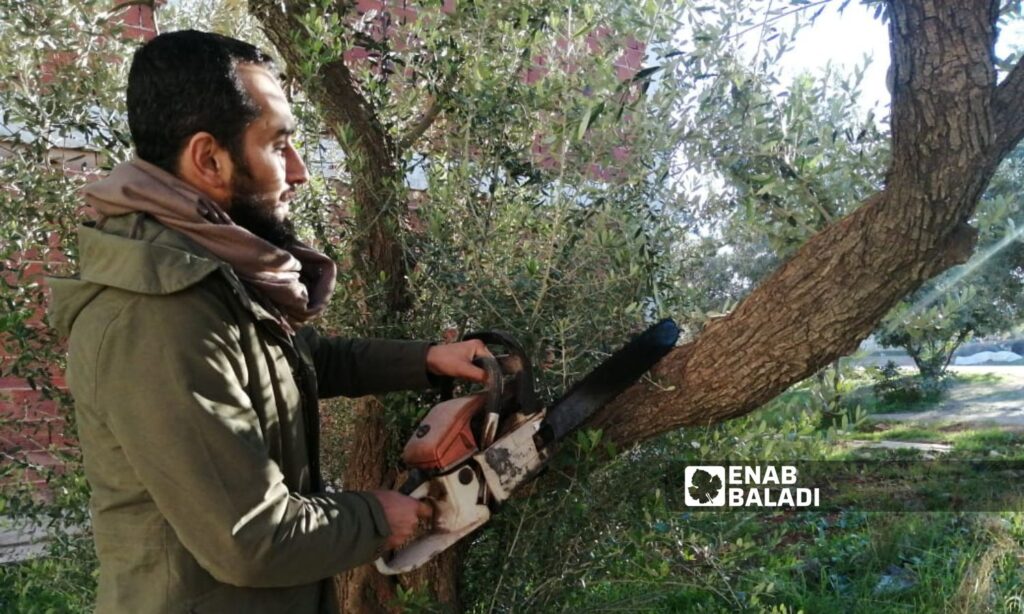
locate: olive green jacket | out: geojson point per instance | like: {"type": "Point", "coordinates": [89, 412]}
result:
{"type": "Point", "coordinates": [198, 420]}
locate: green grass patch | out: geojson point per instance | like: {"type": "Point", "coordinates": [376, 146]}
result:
{"type": "Point", "coordinates": [959, 377]}
{"type": "Point", "coordinates": [984, 441]}
{"type": "Point", "coordinates": [900, 433]}
{"type": "Point", "coordinates": [873, 405]}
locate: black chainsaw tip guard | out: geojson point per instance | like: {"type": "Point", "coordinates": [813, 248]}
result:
{"type": "Point", "coordinates": [665, 333]}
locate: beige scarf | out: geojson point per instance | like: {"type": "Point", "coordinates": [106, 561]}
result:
{"type": "Point", "coordinates": [297, 281]}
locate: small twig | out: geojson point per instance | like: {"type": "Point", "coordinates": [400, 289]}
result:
{"type": "Point", "coordinates": [802, 7]}
{"type": "Point", "coordinates": [764, 27]}
{"type": "Point", "coordinates": [721, 574]}
{"type": "Point", "coordinates": [420, 127]}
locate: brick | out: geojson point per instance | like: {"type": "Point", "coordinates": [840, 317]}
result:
{"type": "Point", "coordinates": [19, 383]}
{"type": "Point", "coordinates": [25, 396]}
{"type": "Point", "coordinates": [14, 383]}
{"type": "Point", "coordinates": [33, 254]}
{"type": "Point", "coordinates": [43, 433]}
{"type": "Point", "coordinates": [44, 409]}
{"type": "Point", "coordinates": [13, 442]}
{"type": "Point", "coordinates": [10, 411]}
{"type": "Point", "coordinates": [22, 273]}
{"type": "Point", "coordinates": [43, 458]}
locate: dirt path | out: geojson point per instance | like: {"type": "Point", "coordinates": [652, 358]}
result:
{"type": "Point", "coordinates": [1000, 403]}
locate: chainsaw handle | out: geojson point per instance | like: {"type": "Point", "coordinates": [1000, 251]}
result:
{"type": "Point", "coordinates": [528, 401]}
{"type": "Point", "coordinates": [457, 513]}
{"type": "Point", "coordinates": [495, 381]}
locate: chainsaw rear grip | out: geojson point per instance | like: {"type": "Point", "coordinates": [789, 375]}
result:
{"type": "Point", "coordinates": [456, 514]}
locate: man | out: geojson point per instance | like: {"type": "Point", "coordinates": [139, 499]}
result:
{"type": "Point", "coordinates": [195, 378]}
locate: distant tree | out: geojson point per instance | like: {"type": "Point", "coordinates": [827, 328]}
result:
{"type": "Point", "coordinates": [982, 297]}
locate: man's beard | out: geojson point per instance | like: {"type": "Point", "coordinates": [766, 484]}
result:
{"type": "Point", "coordinates": [253, 211]}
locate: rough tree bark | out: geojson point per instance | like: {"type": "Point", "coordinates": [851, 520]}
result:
{"type": "Point", "coordinates": [951, 126]}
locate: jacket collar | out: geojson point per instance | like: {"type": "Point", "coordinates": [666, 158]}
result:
{"type": "Point", "coordinates": [140, 266]}
{"type": "Point", "coordinates": [138, 254]}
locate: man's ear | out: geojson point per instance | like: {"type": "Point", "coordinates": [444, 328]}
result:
{"type": "Point", "coordinates": [206, 166]}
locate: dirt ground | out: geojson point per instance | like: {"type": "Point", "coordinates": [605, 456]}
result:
{"type": "Point", "coordinates": [999, 403]}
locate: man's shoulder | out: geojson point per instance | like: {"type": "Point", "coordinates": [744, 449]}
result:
{"type": "Point", "coordinates": [208, 302]}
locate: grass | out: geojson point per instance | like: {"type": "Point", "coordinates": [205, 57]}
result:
{"type": "Point", "coordinates": [616, 541]}
{"type": "Point", "coordinates": [887, 431]}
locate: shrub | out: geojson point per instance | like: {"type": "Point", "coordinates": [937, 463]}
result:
{"type": "Point", "coordinates": [891, 387]}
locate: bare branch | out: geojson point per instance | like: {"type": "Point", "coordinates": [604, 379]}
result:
{"type": "Point", "coordinates": [419, 128]}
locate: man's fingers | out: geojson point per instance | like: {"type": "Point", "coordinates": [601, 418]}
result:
{"type": "Point", "coordinates": [425, 511]}
{"type": "Point", "coordinates": [475, 374]}
{"type": "Point", "coordinates": [480, 348]}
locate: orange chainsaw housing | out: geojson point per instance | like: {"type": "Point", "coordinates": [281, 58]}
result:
{"type": "Point", "coordinates": [444, 438]}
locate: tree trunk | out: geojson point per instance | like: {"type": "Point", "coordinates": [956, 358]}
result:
{"type": "Point", "coordinates": [378, 202]}
{"type": "Point", "coordinates": [951, 126]}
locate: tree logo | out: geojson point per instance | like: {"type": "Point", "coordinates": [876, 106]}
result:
{"type": "Point", "coordinates": [705, 486]}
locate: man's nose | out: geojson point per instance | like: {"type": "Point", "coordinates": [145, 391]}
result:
{"type": "Point", "coordinates": [295, 169]}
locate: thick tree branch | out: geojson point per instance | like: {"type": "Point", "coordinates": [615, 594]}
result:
{"type": "Point", "coordinates": [1007, 104]}
{"type": "Point", "coordinates": [349, 108]}
{"type": "Point", "coordinates": [833, 292]}
{"type": "Point", "coordinates": [942, 94]}
{"type": "Point", "coordinates": [420, 128]}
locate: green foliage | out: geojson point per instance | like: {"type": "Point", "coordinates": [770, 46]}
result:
{"type": "Point", "coordinates": [62, 581]}
{"type": "Point", "coordinates": [899, 390]}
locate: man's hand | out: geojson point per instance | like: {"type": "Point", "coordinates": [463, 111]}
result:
{"type": "Point", "coordinates": [403, 514]}
{"type": "Point", "coordinates": [456, 360]}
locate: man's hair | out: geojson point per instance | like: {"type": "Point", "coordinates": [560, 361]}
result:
{"type": "Point", "coordinates": [185, 82]}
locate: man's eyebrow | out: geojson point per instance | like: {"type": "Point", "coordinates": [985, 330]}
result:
{"type": "Point", "coordinates": [286, 130]}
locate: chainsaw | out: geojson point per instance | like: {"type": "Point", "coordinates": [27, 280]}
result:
{"type": "Point", "coordinates": [469, 454]}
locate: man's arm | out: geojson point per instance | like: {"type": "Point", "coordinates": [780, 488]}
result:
{"type": "Point", "coordinates": [355, 367]}
{"type": "Point", "coordinates": [172, 381]}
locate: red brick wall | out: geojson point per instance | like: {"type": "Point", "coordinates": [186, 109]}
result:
{"type": "Point", "coordinates": [31, 428]}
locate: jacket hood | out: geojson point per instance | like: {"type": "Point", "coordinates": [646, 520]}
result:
{"type": "Point", "coordinates": [160, 261]}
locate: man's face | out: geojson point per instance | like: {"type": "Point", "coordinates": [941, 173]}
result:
{"type": "Point", "coordinates": [264, 180]}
